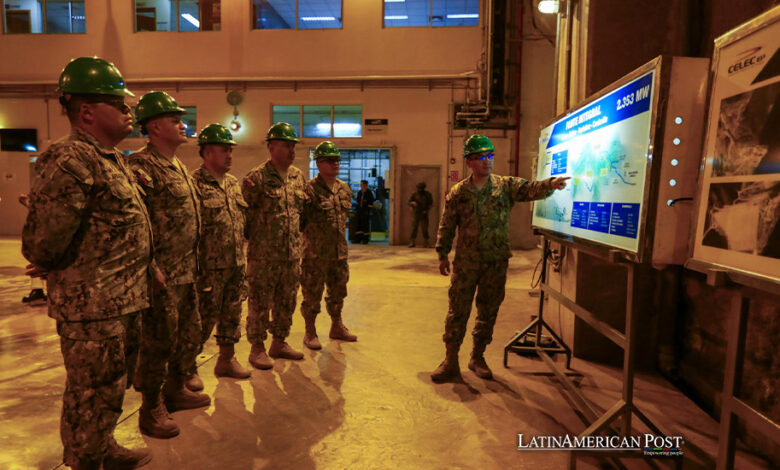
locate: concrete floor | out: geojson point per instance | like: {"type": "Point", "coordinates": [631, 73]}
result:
{"type": "Point", "coordinates": [364, 405]}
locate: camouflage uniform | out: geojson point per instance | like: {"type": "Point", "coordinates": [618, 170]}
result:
{"type": "Point", "coordinates": [83, 195]}
{"type": "Point", "coordinates": [274, 252]}
{"type": "Point", "coordinates": [325, 247]}
{"type": "Point", "coordinates": [481, 258]}
{"type": "Point", "coordinates": [171, 332]}
{"type": "Point", "coordinates": [222, 279]}
{"type": "Point", "coordinates": [424, 202]}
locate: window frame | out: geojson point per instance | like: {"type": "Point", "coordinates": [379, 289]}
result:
{"type": "Point", "coordinates": [332, 113]}
{"type": "Point", "coordinates": [44, 27]}
{"type": "Point", "coordinates": [178, 21]}
{"type": "Point", "coordinates": [253, 20]}
{"type": "Point", "coordinates": [480, 4]}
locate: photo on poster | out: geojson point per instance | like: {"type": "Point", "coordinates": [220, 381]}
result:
{"type": "Point", "coordinates": [744, 217]}
{"type": "Point", "coordinates": [748, 135]}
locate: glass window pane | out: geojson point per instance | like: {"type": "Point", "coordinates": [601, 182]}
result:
{"type": "Point", "coordinates": [155, 15]}
{"type": "Point", "coordinates": [347, 121]}
{"type": "Point", "coordinates": [274, 14]}
{"type": "Point", "coordinates": [289, 114]}
{"type": "Point", "coordinates": [319, 14]}
{"type": "Point", "coordinates": [22, 17]}
{"type": "Point", "coordinates": [65, 16]}
{"type": "Point", "coordinates": [407, 13]}
{"type": "Point", "coordinates": [316, 121]}
{"type": "Point", "coordinates": [189, 15]}
{"type": "Point", "coordinates": [455, 13]}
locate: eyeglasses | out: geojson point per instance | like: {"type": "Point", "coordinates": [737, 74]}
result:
{"type": "Point", "coordinates": [489, 156]}
{"type": "Point", "coordinates": [114, 103]}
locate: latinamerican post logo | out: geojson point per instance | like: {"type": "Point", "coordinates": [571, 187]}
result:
{"type": "Point", "coordinates": [649, 444]}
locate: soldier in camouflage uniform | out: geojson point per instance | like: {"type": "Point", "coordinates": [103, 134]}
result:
{"type": "Point", "coordinates": [421, 202]}
{"type": "Point", "coordinates": [222, 278]}
{"type": "Point", "coordinates": [88, 231]}
{"type": "Point", "coordinates": [478, 207]}
{"type": "Point", "coordinates": [325, 246]}
{"type": "Point", "coordinates": [171, 334]}
{"type": "Point", "coordinates": [276, 193]}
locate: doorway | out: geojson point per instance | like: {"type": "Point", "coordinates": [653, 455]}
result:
{"type": "Point", "coordinates": [373, 166]}
{"type": "Point", "coordinates": [407, 184]}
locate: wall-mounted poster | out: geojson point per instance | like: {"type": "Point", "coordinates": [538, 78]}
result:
{"type": "Point", "coordinates": [738, 204]}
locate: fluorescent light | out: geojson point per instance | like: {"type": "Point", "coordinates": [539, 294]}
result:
{"type": "Point", "coordinates": [396, 17]}
{"type": "Point", "coordinates": [463, 15]}
{"type": "Point", "coordinates": [548, 6]}
{"type": "Point", "coordinates": [30, 148]}
{"type": "Point", "coordinates": [339, 127]}
{"type": "Point", "coordinates": [318, 18]}
{"type": "Point", "coordinates": [194, 21]}
{"type": "Point", "coordinates": [394, 1]}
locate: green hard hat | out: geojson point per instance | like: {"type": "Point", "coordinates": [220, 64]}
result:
{"type": "Point", "coordinates": [154, 104]}
{"type": "Point", "coordinates": [327, 150]}
{"type": "Point", "coordinates": [477, 143]}
{"type": "Point", "coordinates": [92, 76]}
{"type": "Point", "coordinates": [215, 134]}
{"type": "Point", "coordinates": [281, 131]}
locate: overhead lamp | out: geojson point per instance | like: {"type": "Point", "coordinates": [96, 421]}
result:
{"type": "Point", "coordinates": [318, 18]}
{"type": "Point", "coordinates": [395, 1]}
{"type": "Point", "coordinates": [235, 125]}
{"type": "Point", "coordinates": [548, 7]}
{"type": "Point", "coordinates": [463, 15]}
{"type": "Point", "coordinates": [396, 17]}
{"type": "Point", "coordinates": [235, 98]}
{"type": "Point", "coordinates": [193, 21]}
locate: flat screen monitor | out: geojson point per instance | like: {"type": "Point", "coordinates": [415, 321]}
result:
{"type": "Point", "coordinates": [605, 146]}
{"type": "Point", "coordinates": [18, 140]}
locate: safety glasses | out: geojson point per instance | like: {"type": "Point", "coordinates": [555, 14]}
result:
{"type": "Point", "coordinates": [117, 103]}
{"type": "Point", "coordinates": [488, 156]}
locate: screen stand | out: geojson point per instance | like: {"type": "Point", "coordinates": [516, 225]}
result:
{"type": "Point", "coordinates": [528, 340]}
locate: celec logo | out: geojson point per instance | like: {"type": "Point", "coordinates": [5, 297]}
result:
{"type": "Point", "coordinates": [747, 59]}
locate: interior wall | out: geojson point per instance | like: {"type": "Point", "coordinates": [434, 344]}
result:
{"type": "Point", "coordinates": [417, 128]}
{"type": "Point", "coordinates": [363, 47]}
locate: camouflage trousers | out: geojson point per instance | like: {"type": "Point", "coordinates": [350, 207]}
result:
{"type": "Point", "coordinates": [420, 220]}
{"type": "Point", "coordinates": [488, 280]}
{"type": "Point", "coordinates": [170, 336]}
{"type": "Point", "coordinates": [273, 286]}
{"type": "Point", "coordinates": [220, 295]}
{"type": "Point", "coordinates": [316, 274]}
{"type": "Point", "coordinates": [96, 373]}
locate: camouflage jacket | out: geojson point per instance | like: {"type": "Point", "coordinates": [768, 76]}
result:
{"type": "Point", "coordinates": [274, 213]}
{"type": "Point", "coordinates": [173, 206]}
{"type": "Point", "coordinates": [88, 226]}
{"type": "Point", "coordinates": [482, 216]}
{"type": "Point", "coordinates": [223, 212]}
{"type": "Point", "coordinates": [325, 220]}
{"type": "Point", "coordinates": [424, 202]}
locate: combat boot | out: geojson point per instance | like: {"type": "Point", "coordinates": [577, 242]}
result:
{"type": "Point", "coordinates": [449, 369]}
{"type": "Point", "coordinates": [153, 419]}
{"type": "Point", "coordinates": [193, 381]}
{"type": "Point", "coordinates": [281, 350]}
{"type": "Point", "coordinates": [477, 362]}
{"type": "Point", "coordinates": [339, 331]}
{"type": "Point", "coordinates": [178, 397]}
{"type": "Point", "coordinates": [411, 244]}
{"type": "Point", "coordinates": [228, 366]}
{"type": "Point", "coordinates": [122, 458]}
{"type": "Point", "coordinates": [310, 339]}
{"type": "Point", "coordinates": [258, 358]}
{"type": "Point", "coordinates": [85, 464]}
{"type": "Point", "coordinates": [425, 243]}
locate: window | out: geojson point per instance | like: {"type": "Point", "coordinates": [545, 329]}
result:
{"type": "Point", "coordinates": [44, 16]}
{"type": "Point", "coordinates": [296, 14]}
{"type": "Point", "coordinates": [178, 15]}
{"type": "Point", "coordinates": [189, 119]}
{"type": "Point", "coordinates": [322, 121]}
{"type": "Point", "coordinates": [431, 13]}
